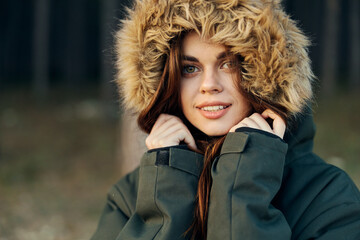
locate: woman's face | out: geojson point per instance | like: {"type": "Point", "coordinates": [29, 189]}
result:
{"type": "Point", "coordinates": [210, 100]}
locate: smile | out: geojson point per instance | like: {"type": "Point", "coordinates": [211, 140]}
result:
{"type": "Point", "coordinates": [214, 108]}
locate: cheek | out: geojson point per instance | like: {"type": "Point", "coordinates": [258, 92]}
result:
{"type": "Point", "coordinates": [185, 96]}
{"type": "Point", "coordinates": [244, 107]}
{"type": "Point", "coordinates": [184, 103]}
{"type": "Point", "coordinates": [182, 95]}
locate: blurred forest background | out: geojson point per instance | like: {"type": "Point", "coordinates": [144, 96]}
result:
{"type": "Point", "coordinates": [60, 117]}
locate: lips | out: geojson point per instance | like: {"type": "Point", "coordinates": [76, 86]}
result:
{"type": "Point", "coordinates": [213, 110]}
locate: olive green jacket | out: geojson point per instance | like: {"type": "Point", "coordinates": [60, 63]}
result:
{"type": "Point", "coordinates": [263, 188]}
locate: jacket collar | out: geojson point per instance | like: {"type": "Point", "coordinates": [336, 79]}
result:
{"type": "Point", "coordinates": [300, 137]}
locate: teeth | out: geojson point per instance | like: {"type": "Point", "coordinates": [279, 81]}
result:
{"type": "Point", "coordinates": [213, 108]}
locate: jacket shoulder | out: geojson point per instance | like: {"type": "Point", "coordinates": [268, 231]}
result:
{"type": "Point", "coordinates": [313, 178]}
{"type": "Point", "coordinates": [315, 193]}
{"type": "Point", "coordinates": [323, 176]}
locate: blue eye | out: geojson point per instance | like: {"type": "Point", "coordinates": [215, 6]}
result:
{"type": "Point", "coordinates": [188, 69]}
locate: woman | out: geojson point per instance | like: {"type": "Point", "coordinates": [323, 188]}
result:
{"type": "Point", "coordinates": [216, 85]}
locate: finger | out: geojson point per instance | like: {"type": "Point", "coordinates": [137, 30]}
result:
{"type": "Point", "coordinates": [279, 125]}
{"type": "Point", "coordinates": [251, 123]}
{"type": "Point", "coordinates": [163, 124]}
{"type": "Point", "coordinates": [173, 138]}
{"type": "Point", "coordinates": [161, 120]}
{"type": "Point", "coordinates": [261, 122]}
{"type": "Point", "coordinates": [269, 114]}
{"type": "Point", "coordinates": [161, 138]}
{"type": "Point", "coordinates": [246, 122]}
{"type": "Point", "coordinates": [185, 135]}
{"type": "Point", "coordinates": [190, 141]}
{"type": "Point", "coordinates": [157, 138]}
{"type": "Point", "coordinates": [170, 133]}
{"type": "Point", "coordinates": [149, 143]}
{"type": "Point", "coordinates": [171, 122]}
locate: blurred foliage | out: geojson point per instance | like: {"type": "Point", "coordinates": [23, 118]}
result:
{"type": "Point", "coordinates": [337, 138]}
{"type": "Point", "coordinates": [57, 159]}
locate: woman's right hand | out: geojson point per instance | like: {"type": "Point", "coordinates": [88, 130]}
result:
{"type": "Point", "coordinates": [169, 130]}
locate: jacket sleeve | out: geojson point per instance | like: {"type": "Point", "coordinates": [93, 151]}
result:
{"type": "Point", "coordinates": [246, 177]}
{"type": "Point", "coordinates": [167, 187]}
{"type": "Point", "coordinates": [119, 207]}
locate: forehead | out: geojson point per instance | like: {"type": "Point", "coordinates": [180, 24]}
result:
{"type": "Point", "coordinates": [193, 44]}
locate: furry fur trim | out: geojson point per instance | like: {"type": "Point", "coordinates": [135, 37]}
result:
{"type": "Point", "coordinates": [276, 65]}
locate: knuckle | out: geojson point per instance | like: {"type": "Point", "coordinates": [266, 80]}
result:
{"type": "Point", "coordinates": [176, 120]}
{"type": "Point", "coordinates": [148, 144]}
{"type": "Point", "coordinates": [162, 117]}
{"type": "Point", "coordinates": [245, 120]}
{"type": "Point", "coordinates": [155, 142]}
{"type": "Point", "coordinates": [172, 120]}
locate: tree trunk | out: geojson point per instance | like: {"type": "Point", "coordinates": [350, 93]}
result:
{"type": "Point", "coordinates": [354, 45]}
{"type": "Point", "coordinates": [108, 20]}
{"type": "Point", "coordinates": [41, 48]}
{"type": "Point", "coordinates": [76, 43]}
{"type": "Point", "coordinates": [330, 42]}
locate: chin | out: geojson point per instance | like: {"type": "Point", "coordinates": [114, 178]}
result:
{"type": "Point", "coordinates": [215, 131]}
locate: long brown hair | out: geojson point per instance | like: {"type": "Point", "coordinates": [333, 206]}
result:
{"type": "Point", "coordinates": [167, 100]}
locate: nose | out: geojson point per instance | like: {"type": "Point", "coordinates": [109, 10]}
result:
{"type": "Point", "coordinates": [210, 83]}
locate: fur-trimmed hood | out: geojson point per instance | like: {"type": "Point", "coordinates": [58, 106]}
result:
{"type": "Point", "coordinates": [275, 65]}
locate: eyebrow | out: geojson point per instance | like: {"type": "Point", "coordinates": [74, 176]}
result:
{"type": "Point", "coordinates": [222, 55]}
{"type": "Point", "coordinates": [190, 59]}
{"type": "Point", "coordinates": [194, 59]}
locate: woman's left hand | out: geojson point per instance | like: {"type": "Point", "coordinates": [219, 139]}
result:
{"type": "Point", "coordinates": [258, 121]}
